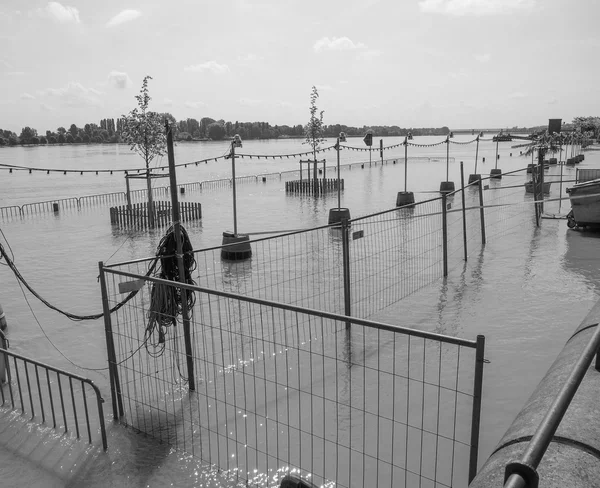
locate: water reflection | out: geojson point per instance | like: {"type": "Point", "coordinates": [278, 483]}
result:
{"type": "Point", "coordinates": [581, 255]}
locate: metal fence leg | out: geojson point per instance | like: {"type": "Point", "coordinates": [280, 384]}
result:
{"type": "Point", "coordinates": [445, 232]}
{"type": "Point", "coordinates": [476, 415]}
{"type": "Point", "coordinates": [115, 385]}
{"type": "Point", "coordinates": [346, 264]}
{"type": "Point", "coordinates": [481, 211]}
{"type": "Point", "coordinates": [464, 212]}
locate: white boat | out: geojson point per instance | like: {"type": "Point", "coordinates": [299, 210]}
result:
{"type": "Point", "coordinates": [585, 204]}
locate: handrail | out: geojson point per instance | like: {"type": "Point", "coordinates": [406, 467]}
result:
{"type": "Point", "coordinates": [59, 372]}
{"type": "Point", "coordinates": [523, 473]}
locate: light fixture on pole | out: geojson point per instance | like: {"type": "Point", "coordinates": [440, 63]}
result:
{"type": "Point", "coordinates": [236, 246]}
{"type": "Point", "coordinates": [404, 198]}
{"type": "Point", "coordinates": [476, 176]}
{"type": "Point", "coordinates": [336, 215]}
{"type": "Point", "coordinates": [496, 172]}
{"type": "Point", "coordinates": [447, 186]}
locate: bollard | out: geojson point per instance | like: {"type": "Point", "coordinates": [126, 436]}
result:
{"type": "Point", "coordinates": [336, 215]}
{"type": "Point", "coordinates": [483, 160]}
{"type": "Point", "coordinates": [405, 199]}
{"type": "Point", "coordinates": [496, 173]}
{"type": "Point", "coordinates": [511, 154]}
{"type": "Point", "coordinates": [474, 178]}
{"type": "Point", "coordinates": [264, 180]}
{"type": "Point", "coordinates": [446, 186]}
{"type": "Point", "coordinates": [362, 166]}
{"type": "Point", "coordinates": [182, 190]}
{"type": "Point", "coordinates": [238, 248]}
{"type": "Point", "coordinates": [55, 207]}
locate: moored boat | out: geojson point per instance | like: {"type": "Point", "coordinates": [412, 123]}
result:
{"type": "Point", "coordinates": [585, 203]}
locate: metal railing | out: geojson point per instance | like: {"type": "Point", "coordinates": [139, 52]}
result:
{"type": "Point", "coordinates": [51, 396]}
{"type": "Point", "coordinates": [259, 388]}
{"type": "Point", "coordinates": [523, 473]}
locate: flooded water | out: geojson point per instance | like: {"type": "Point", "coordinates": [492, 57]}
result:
{"type": "Point", "coordinates": [526, 291]}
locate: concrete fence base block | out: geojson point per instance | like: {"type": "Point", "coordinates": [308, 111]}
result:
{"type": "Point", "coordinates": [446, 186]}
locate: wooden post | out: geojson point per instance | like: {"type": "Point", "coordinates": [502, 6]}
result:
{"type": "Point", "coordinates": [464, 211]}
{"type": "Point", "coordinates": [178, 240]}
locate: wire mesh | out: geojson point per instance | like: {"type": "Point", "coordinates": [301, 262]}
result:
{"type": "Point", "coordinates": [282, 388]}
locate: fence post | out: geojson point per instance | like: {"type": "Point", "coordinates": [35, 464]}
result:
{"type": "Point", "coordinates": [464, 212]}
{"type": "Point", "coordinates": [179, 246]}
{"type": "Point", "coordinates": [476, 416]}
{"type": "Point", "coordinates": [481, 211]}
{"type": "Point", "coordinates": [115, 385]}
{"type": "Point", "coordinates": [346, 265]}
{"type": "Point", "coordinates": [445, 232]}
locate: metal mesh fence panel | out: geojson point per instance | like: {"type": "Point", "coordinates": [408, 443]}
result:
{"type": "Point", "coordinates": [281, 389]}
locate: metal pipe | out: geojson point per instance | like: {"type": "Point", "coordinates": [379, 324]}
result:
{"type": "Point", "coordinates": [496, 167]}
{"type": "Point", "coordinates": [481, 211]}
{"type": "Point", "coordinates": [346, 261]}
{"type": "Point", "coordinates": [464, 212]}
{"type": "Point", "coordinates": [476, 154]}
{"type": "Point", "coordinates": [233, 188]}
{"type": "Point", "coordinates": [476, 412]}
{"type": "Point", "coordinates": [445, 233]}
{"type": "Point", "coordinates": [338, 173]}
{"type": "Point", "coordinates": [405, 162]}
{"type": "Point", "coordinates": [447, 159]}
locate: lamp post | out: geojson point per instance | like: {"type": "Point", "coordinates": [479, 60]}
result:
{"type": "Point", "coordinates": [495, 172]}
{"type": "Point", "coordinates": [447, 186]}
{"type": "Point", "coordinates": [336, 215]}
{"type": "Point", "coordinates": [476, 176]}
{"type": "Point", "coordinates": [405, 197]}
{"type": "Point", "coordinates": [237, 246]}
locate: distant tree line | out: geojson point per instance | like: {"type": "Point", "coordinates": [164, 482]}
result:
{"type": "Point", "coordinates": [110, 130]}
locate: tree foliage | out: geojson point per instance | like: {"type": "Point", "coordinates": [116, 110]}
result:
{"type": "Point", "coordinates": [143, 129]}
{"type": "Point", "coordinates": [313, 131]}
{"type": "Point", "coordinates": [589, 125]}
{"type": "Point", "coordinates": [216, 131]}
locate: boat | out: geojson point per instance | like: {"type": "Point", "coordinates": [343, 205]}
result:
{"type": "Point", "coordinates": [529, 187]}
{"type": "Point", "coordinates": [502, 138]}
{"type": "Point", "coordinates": [585, 204]}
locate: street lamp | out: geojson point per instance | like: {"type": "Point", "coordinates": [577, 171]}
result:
{"type": "Point", "coordinates": [336, 215]}
{"type": "Point", "coordinates": [476, 176]}
{"type": "Point", "coordinates": [405, 197]}
{"type": "Point", "coordinates": [447, 186]}
{"type": "Point", "coordinates": [237, 245]}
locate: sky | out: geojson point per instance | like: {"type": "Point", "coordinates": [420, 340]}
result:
{"type": "Point", "coordinates": [411, 63]}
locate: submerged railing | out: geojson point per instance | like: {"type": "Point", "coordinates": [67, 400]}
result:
{"type": "Point", "coordinates": [51, 396]}
{"type": "Point", "coordinates": [259, 389]}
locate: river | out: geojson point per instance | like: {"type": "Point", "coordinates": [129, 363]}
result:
{"type": "Point", "coordinates": [526, 292]}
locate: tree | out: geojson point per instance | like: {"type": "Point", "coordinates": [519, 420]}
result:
{"type": "Point", "coordinates": [61, 138]}
{"type": "Point", "coordinates": [27, 133]}
{"type": "Point", "coordinates": [216, 131]}
{"type": "Point", "coordinates": [144, 131]}
{"type": "Point", "coordinates": [61, 130]}
{"type": "Point", "coordinates": [88, 129]}
{"type": "Point", "coordinates": [313, 131]}
{"type": "Point", "coordinates": [69, 138]}
{"type": "Point", "coordinates": [73, 130]}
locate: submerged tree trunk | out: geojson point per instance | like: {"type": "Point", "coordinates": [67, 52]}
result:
{"type": "Point", "coordinates": [150, 200]}
{"type": "Point", "coordinates": [315, 179]}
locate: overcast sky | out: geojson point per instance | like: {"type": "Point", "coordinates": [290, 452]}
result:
{"type": "Point", "coordinates": [412, 63]}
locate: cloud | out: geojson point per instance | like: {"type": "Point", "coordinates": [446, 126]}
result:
{"type": "Point", "coordinates": [46, 107]}
{"type": "Point", "coordinates": [324, 87]}
{"type": "Point", "coordinates": [474, 7]}
{"type": "Point", "coordinates": [119, 79]}
{"type": "Point", "coordinates": [369, 54]}
{"type": "Point", "coordinates": [249, 58]}
{"type": "Point", "coordinates": [552, 101]}
{"type": "Point", "coordinates": [60, 13]}
{"type": "Point", "coordinates": [194, 104]}
{"type": "Point", "coordinates": [337, 44]}
{"type": "Point", "coordinates": [517, 95]}
{"type": "Point", "coordinates": [74, 94]}
{"type": "Point", "coordinates": [284, 104]}
{"type": "Point", "coordinates": [27, 96]}
{"type": "Point", "coordinates": [168, 102]}
{"type": "Point", "coordinates": [16, 73]}
{"type": "Point", "coordinates": [250, 102]}
{"type": "Point", "coordinates": [212, 66]}
{"type": "Point", "coordinates": [483, 58]}
{"type": "Point", "coordinates": [124, 16]}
